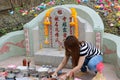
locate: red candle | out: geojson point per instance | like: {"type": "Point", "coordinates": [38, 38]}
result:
{"type": "Point", "coordinates": [24, 62]}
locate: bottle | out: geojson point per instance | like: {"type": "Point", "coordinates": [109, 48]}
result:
{"type": "Point", "coordinates": [24, 62]}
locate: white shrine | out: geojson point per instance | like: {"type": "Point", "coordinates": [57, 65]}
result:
{"type": "Point", "coordinates": [45, 34]}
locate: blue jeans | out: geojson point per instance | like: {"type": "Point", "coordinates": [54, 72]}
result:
{"type": "Point", "coordinates": [91, 63]}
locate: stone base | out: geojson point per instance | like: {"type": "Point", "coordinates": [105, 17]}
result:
{"type": "Point", "coordinates": [50, 56]}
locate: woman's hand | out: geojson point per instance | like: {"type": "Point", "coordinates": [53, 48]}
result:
{"type": "Point", "coordinates": [54, 75]}
{"type": "Point", "coordinates": [63, 77]}
{"type": "Point", "coordinates": [70, 74]}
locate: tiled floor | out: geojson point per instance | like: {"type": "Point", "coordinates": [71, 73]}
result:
{"type": "Point", "coordinates": [108, 70]}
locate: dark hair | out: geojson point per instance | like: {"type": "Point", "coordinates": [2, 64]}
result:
{"type": "Point", "coordinates": [72, 43]}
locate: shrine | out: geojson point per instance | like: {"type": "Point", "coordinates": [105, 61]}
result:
{"type": "Point", "coordinates": [45, 34]}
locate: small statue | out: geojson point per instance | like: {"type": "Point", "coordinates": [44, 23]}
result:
{"type": "Point", "coordinates": [99, 76]}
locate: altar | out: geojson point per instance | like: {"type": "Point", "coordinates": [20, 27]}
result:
{"type": "Point", "coordinates": [50, 56]}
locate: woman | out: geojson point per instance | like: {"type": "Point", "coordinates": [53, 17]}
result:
{"type": "Point", "coordinates": [83, 55]}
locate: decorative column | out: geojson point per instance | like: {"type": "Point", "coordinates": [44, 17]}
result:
{"type": "Point", "coordinates": [98, 40]}
{"type": "Point", "coordinates": [27, 41]}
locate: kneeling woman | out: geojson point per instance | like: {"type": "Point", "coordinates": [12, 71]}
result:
{"type": "Point", "coordinates": [84, 55]}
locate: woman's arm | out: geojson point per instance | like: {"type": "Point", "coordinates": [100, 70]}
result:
{"type": "Point", "coordinates": [80, 63]}
{"type": "Point", "coordinates": [62, 64]}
